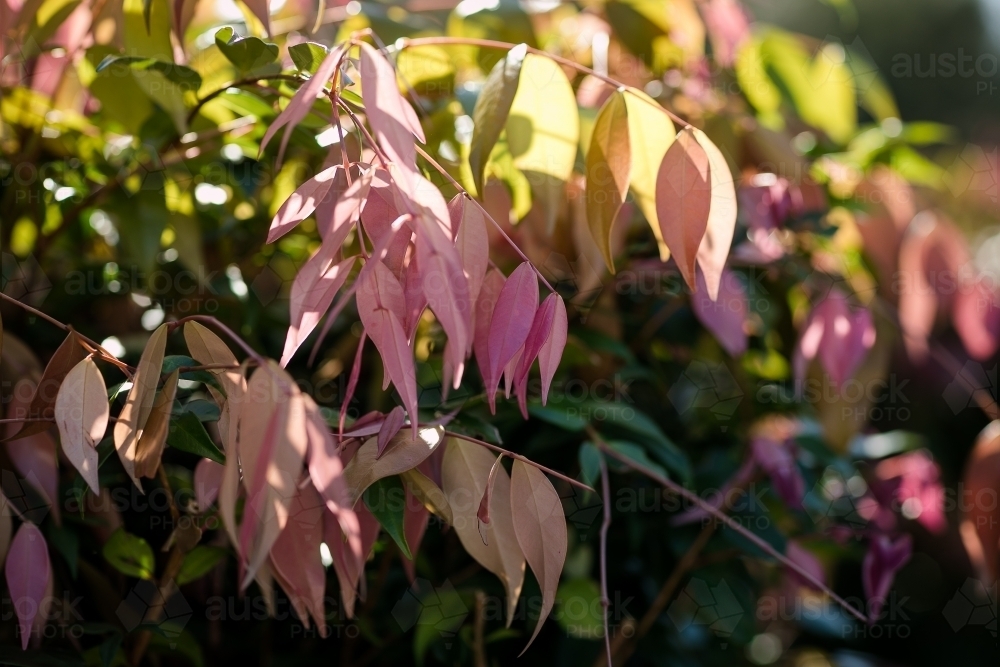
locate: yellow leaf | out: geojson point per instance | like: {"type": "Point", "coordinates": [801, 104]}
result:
{"type": "Point", "coordinates": [651, 132]}
{"type": "Point", "coordinates": [609, 165]}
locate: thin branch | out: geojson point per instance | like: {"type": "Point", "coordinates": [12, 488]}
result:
{"type": "Point", "coordinates": [605, 526]}
{"type": "Point", "coordinates": [726, 519]}
{"type": "Point", "coordinates": [208, 319]}
{"type": "Point", "coordinates": [509, 240]}
{"type": "Point", "coordinates": [507, 452]}
{"type": "Point", "coordinates": [506, 46]}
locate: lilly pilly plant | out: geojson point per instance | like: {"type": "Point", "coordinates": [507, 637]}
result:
{"type": "Point", "coordinates": [428, 246]}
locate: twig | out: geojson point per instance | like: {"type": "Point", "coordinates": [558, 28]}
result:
{"type": "Point", "coordinates": [208, 319]}
{"type": "Point", "coordinates": [726, 519]}
{"type": "Point", "coordinates": [605, 526]}
{"type": "Point", "coordinates": [506, 452]}
{"type": "Point", "coordinates": [478, 625]}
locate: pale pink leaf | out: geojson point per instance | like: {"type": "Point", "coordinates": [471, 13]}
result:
{"type": "Point", "coordinates": [482, 318]}
{"type": "Point", "coordinates": [302, 101]}
{"type": "Point", "coordinates": [296, 555]}
{"type": "Point", "coordinates": [540, 526]}
{"type": "Point", "coordinates": [28, 574]}
{"type": "Point", "coordinates": [82, 413]}
{"type": "Point", "coordinates": [413, 296]}
{"type": "Point", "coordinates": [683, 200]}
{"type": "Point", "coordinates": [541, 328]}
{"type": "Point", "coordinates": [471, 241]}
{"type": "Point", "coordinates": [313, 290]}
{"type": "Point", "coordinates": [551, 351]}
{"type": "Point", "coordinates": [262, 10]}
{"type": "Point", "coordinates": [714, 247]}
{"type": "Point", "coordinates": [377, 216]}
{"type": "Point", "coordinates": [301, 203]}
{"type": "Point", "coordinates": [207, 481]}
{"type": "Point", "coordinates": [511, 322]}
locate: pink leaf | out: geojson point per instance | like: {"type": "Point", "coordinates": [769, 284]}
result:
{"type": "Point", "coordinates": [379, 212]}
{"type": "Point", "coordinates": [714, 247]}
{"type": "Point", "coordinates": [777, 460]}
{"type": "Point", "coordinates": [413, 296]}
{"type": "Point", "coordinates": [207, 481]}
{"type": "Point", "coordinates": [337, 213]}
{"type": "Point", "coordinates": [807, 561]}
{"type": "Point", "coordinates": [683, 200]}
{"type": "Point", "coordinates": [977, 319]}
{"type": "Point", "coordinates": [446, 288]}
{"type": "Point", "coordinates": [724, 317]}
{"type": "Point", "coordinates": [393, 120]}
{"type": "Point", "coordinates": [302, 101]}
{"type": "Point", "coordinates": [884, 559]}
{"type": "Point", "coordinates": [36, 461]}
{"type": "Point", "coordinates": [840, 334]}
{"type": "Point", "coordinates": [728, 27]}
{"type": "Point", "coordinates": [471, 241]}
{"type": "Point", "coordinates": [511, 322]}
{"type": "Point", "coordinates": [296, 555]}
{"type": "Point", "coordinates": [301, 203]}
{"type": "Point", "coordinates": [262, 10]}
{"type": "Point", "coordinates": [482, 318]}
{"type": "Point", "coordinates": [28, 573]}
{"type": "Point", "coordinates": [390, 427]}
{"type": "Point", "coordinates": [551, 351]}
{"type": "Point", "coordinates": [541, 329]}
{"type": "Point", "coordinates": [313, 290]}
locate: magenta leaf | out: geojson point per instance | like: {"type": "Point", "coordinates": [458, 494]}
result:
{"type": "Point", "coordinates": [551, 351]}
{"type": "Point", "coordinates": [726, 316]}
{"type": "Point", "coordinates": [884, 559]}
{"type": "Point", "coordinates": [511, 322]}
{"type": "Point", "coordinates": [482, 318]}
{"type": "Point", "coordinates": [313, 290]}
{"type": "Point", "coordinates": [28, 574]}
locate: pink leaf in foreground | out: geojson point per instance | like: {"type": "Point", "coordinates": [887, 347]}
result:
{"type": "Point", "coordinates": [471, 241]}
{"type": "Point", "coordinates": [510, 323]}
{"type": "Point", "coordinates": [296, 555]}
{"type": "Point", "coordinates": [390, 427]}
{"type": "Point", "coordinates": [724, 317]}
{"type": "Point", "coordinates": [28, 573]}
{"type": "Point", "coordinates": [715, 244]}
{"type": "Point", "coordinates": [377, 216]}
{"type": "Point", "coordinates": [541, 328]}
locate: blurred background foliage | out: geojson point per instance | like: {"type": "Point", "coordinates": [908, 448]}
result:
{"type": "Point", "coordinates": [132, 191]}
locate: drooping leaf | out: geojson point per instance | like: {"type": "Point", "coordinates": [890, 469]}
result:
{"type": "Point", "coordinates": [295, 556]}
{"type": "Point", "coordinates": [714, 248]}
{"type": "Point", "coordinates": [149, 451]}
{"type": "Point", "coordinates": [725, 317]}
{"type": "Point", "coordinates": [302, 102]}
{"type": "Point", "coordinates": [82, 412]}
{"type": "Point", "coordinates": [272, 447]}
{"type": "Point", "coordinates": [207, 481]}
{"type": "Point", "coordinates": [403, 453]}
{"type": "Point", "coordinates": [301, 203]}
{"type": "Point", "coordinates": [483, 513]}
{"type": "Point", "coordinates": [543, 132]}
{"type": "Point", "coordinates": [262, 10]}
{"type": "Point", "coordinates": [42, 405]}
{"type": "Point", "coordinates": [482, 318]}
{"type": "Point", "coordinates": [472, 242]}
{"type": "Point", "coordinates": [465, 472]}
{"type": "Point", "coordinates": [651, 132]}
{"type": "Point", "coordinates": [683, 200]}
{"type": "Point", "coordinates": [427, 492]}
{"type": "Point", "coordinates": [550, 354]}
{"type": "Point", "coordinates": [511, 321]}
{"type": "Point", "coordinates": [540, 527]}
{"type": "Point", "coordinates": [492, 108]}
{"type": "Point", "coordinates": [28, 574]}
{"type": "Point", "coordinates": [198, 562]}
{"type": "Point", "coordinates": [313, 290]}
{"type": "Point", "coordinates": [139, 403]}
{"type": "Point", "coordinates": [386, 500]}
{"type": "Point", "coordinates": [390, 427]}
{"type": "Point", "coordinates": [129, 554]}
{"type": "Point", "coordinates": [609, 167]}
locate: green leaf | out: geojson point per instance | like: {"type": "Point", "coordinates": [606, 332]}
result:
{"type": "Point", "coordinates": [307, 56]}
{"type": "Point", "coordinates": [67, 543]}
{"type": "Point", "coordinates": [609, 167]}
{"type": "Point", "coordinates": [185, 77]}
{"type": "Point", "coordinates": [129, 554]}
{"type": "Point", "coordinates": [651, 437]}
{"type": "Point", "coordinates": [590, 463]}
{"type": "Point", "coordinates": [650, 133]}
{"type": "Point", "coordinates": [638, 454]}
{"type": "Point", "coordinates": [386, 499]}
{"type": "Point", "coordinates": [564, 419]}
{"type": "Point", "coordinates": [206, 411]}
{"type": "Point", "coordinates": [543, 130]}
{"type": "Point", "coordinates": [198, 562]}
{"type": "Point", "coordinates": [172, 362]}
{"type": "Point", "coordinates": [492, 107]}
{"type": "Point", "coordinates": [247, 53]}
{"type": "Point", "coordinates": [189, 435]}
{"type": "Point", "coordinates": [579, 609]}
{"type": "Point", "coordinates": [428, 69]}
{"type": "Point", "coordinates": [109, 649]}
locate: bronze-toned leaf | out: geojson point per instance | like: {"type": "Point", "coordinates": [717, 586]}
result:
{"type": "Point", "coordinates": [403, 453]}
{"type": "Point", "coordinates": [154, 436]}
{"type": "Point", "coordinates": [42, 406]}
{"type": "Point", "coordinates": [609, 169]}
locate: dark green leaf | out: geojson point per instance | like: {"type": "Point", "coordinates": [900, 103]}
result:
{"type": "Point", "coordinates": [185, 77]}
{"type": "Point", "coordinates": [386, 499]}
{"type": "Point", "coordinates": [129, 554]}
{"type": "Point", "coordinates": [198, 562]}
{"type": "Point", "coordinates": [247, 53]}
{"type": "Point", "coordinates": [189, 435]}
